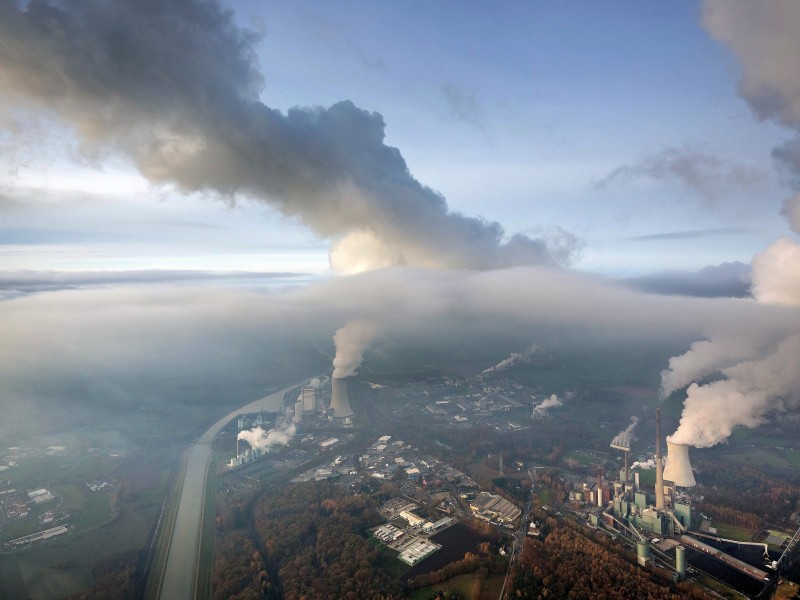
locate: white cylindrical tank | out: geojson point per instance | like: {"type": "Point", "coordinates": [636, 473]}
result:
{"type": "Point", "coordinates": [680, 562]}
{"type": "Point", "coordinates": [340, 400]}
{"type": "Point", "coordinates": [678, 469]}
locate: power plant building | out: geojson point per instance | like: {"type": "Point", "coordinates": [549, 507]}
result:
{"type": "Point", "coordinates": [308, 395]}
{"type": "Point", "coordinates": [298, 411]}
{"type": "Point", "coordinates": [664, 510]}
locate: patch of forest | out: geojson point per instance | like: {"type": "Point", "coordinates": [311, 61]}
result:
{"type": "Point", "coordinates": [568, 564]}
{"type": "Point", "coordinates": [315, 539]}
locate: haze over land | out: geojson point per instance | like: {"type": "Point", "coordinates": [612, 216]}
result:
{"type": "Point", "coordinates": [521, 188]}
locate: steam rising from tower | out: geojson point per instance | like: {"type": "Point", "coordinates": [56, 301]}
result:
{"type": "Point", "coordinates": [678, 469]}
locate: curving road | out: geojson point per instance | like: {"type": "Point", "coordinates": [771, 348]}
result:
{"type": "Point", "coordinates": [180, 570]}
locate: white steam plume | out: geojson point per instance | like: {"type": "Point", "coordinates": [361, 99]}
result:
{"type": "Point", "coordinates": [515, 358]}
{"type": "Point", "coordinates": [648, 464]}
{"type": "Point", "coordinates": [752, 390]}
{"type": "Point", "coordinates": [280, 435]}
{"type": "Point", "coordinates": [759, 367]}
{"type": "Point", "coordinates": [623, 438]}
{"type": "Point", "coordinates": [776, 273]}
{"type": "Point", "coordinates": [551, 402]}
{"type": "Point", "coordinates": [351, 341]}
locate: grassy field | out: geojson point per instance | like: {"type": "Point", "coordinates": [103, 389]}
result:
{"type": "Point", "coordinates": [544, 495]}
{"type": "Point", "coordinates": [463, 586]}
{"type": "Point", "coordinates": [587, 457]}
{"type": "Point", "coordinates": [734, 532]}
{"type": "Point", "coordinates": [784, 460]}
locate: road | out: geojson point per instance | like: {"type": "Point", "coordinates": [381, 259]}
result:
{"type": "Point", "coordinates": [180, 570]}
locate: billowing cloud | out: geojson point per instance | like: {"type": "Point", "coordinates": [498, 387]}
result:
{"type": "Point", "coordinates": [698, 169]}
{"type": "Point", "coordinates": [174, 87]}
{"type": "Point", "coordinates": [776, 273]}
{"type": "Point", "coordinates": [743, 375]}
{"type": "Point", "coordinates": [763, 36]}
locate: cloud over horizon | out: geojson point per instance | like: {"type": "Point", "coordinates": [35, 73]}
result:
{"type": "Point", "coordinates": [118, 75]}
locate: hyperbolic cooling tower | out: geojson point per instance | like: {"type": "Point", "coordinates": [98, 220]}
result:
{"type": "Point", "coordinates": [340, 401]}
{"type": "Point", "coordinates": [678, 469]}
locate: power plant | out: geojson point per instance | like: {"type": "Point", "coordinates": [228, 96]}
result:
{"type": "Point", "coordinates": [666, 510]}
{"type": "Point", "coordinates": [660, 524]}
{"type": "Point", "coordinates": [340, 399]}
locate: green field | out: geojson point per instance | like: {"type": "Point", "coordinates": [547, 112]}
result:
{"type": "Point", "coordinates": [784, 460]}
{"type": "Point", "coordinates": [587, 457]}
{"type": "Point", "coordinates": [463, 586]}
{"type": "Point", "coordinates": [544, 495]}
{"type": "Point", "coordinates": [734, 532]}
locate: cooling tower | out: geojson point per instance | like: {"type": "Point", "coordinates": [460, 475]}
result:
{"type": "Point", "coordinates": [678, 469]}
{"type": "Point", "coordinates": [340, 401]}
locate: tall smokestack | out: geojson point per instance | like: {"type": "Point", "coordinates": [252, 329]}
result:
{"type": "Point", "coordinates": [340, 400]}
{"type": "Point", "coordinates": [659, 465]}
{"type": "Point", "coordinates": [627, 469]}
{"type": "Point", "coordinates": [599, 486]}
{"type": "Point", "coordinates": [679, 470]}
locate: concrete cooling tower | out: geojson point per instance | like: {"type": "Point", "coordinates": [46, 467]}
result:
{"type": "Point", "coordinates": [678, 469]}
{"type": "Point", "coordinates": [340, 401]}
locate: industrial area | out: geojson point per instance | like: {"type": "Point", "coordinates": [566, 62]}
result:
{"type": "Point", "coordinates": [658, 521]}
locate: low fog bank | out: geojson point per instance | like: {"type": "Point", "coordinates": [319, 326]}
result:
{"type": "Point", "coordinates": [112, 349]}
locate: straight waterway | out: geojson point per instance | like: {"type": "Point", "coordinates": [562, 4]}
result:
{"type": "Point", "coordinates": [184, 547]}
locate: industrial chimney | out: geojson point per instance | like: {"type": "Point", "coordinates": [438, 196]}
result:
{"type": "Point", "coordinates": [678, 469]}
{"type": "Point", "coordinates": [659, 465]}
{"type": "Point", "coordinates": [340, 401]}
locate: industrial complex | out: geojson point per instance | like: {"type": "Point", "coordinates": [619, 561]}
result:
{"type": "Point", "coordinates": [657, 519]}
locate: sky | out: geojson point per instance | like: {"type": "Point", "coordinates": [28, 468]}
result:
{"type": "Point", "coordinates": [184, 183]}
{"type": "Point", "coordinates": [617, 124]}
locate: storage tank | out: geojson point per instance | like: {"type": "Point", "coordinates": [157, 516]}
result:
{"type": "Point", "coordinates": [678, 469]}
{"type": "Point", "coordinates": [680, 562]}
{"type": "Point", "coordinates": [340, 400]}
{"type": "Point", "coordinates": [642, 553]}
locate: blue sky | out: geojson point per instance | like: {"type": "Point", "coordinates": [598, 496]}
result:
{"type": "Point", "coordinates": [519, 114]}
